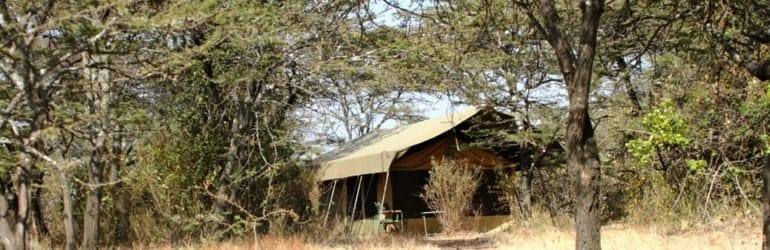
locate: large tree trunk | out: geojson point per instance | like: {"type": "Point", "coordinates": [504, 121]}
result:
{"type": "Point", "coordinates": [583, 160]}
{"type": "Point", "coordinates": [582, 150]}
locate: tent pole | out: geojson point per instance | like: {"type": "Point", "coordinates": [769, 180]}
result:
{"type": "Point", "coordinates": [329, 207]}
{"type": "Point", "coordinates": [385, 186]}
{"type": "Point", "coordinates": [355, 201]}
{"type": "Point", "coordinates": [384, 191]}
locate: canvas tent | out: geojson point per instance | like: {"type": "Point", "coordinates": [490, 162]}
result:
{"type": "Point", "coordinates": [390, 167]}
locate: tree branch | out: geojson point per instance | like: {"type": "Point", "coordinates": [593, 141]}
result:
{"type": "Point", "coordinates": [553, 34]}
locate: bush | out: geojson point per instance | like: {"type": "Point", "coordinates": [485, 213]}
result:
{"type": "Point", "coordinates": [450, 189]}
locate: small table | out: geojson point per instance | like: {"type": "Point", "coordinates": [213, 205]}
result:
{"type": "Point", "coordinates": [425, 224]}
{"type": "Point", "coordinates": [397, 219]}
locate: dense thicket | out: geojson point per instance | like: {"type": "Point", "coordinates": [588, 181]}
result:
{"type": "Point", "coordinates": [163, 121]}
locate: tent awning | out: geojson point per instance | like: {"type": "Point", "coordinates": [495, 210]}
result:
{"type": "Point", "coordinates": [377, 155]}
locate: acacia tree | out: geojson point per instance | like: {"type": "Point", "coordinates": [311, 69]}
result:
{"type": "Point", "coordinates": [576, 66]}
{"type": "Point", "coordinates": [60, 73]}
{"type": "Point", "coordinates": [41, 52]}
{"type": "Point", "coordinates": [233, 95]}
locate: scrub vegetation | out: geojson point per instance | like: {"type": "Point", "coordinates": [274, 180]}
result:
{"type": "Point", "coordinates": [177, 123]}
{"type": "Point", "coordinates": [450, 190]}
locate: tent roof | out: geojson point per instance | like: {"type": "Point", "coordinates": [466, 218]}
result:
{"type": "Point", "coordinates": [375, 153]}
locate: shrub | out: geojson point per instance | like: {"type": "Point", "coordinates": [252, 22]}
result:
{"type": "Point", "coordinates": [450, 189]}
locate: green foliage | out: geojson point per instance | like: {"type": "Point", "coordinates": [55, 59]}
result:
{"type": "Point", "coordinates": [766, 141]}
{"type": "Point", "coordinates": [666, 130]}
{"type": "Point", "coordinates": [7, 161]}
{"type": "Point", "coordinates": [756, 110]}
{"type": "Point", "coordinates": [696, 165]}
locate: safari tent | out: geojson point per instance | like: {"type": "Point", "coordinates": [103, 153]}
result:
{"type": "Point", "coordinates": [391, 167]}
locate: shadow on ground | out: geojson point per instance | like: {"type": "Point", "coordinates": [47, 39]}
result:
{"type": "Point", "coordinates": [472, 243]}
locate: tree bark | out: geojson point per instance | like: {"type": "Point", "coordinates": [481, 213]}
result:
{"type": "Point", "coordinates": [22, 199]}
{"type": "Point", "coordinates": [122, 223]}
{"type": "Point", "coordinates": [69, 221]}
{"type": "Point", "coordinates": [525, 182]}
{"type": "Point", "coordinates": [99, 102]}
{"type": "Point", "coordinates": [93, 204]}
{"type": "Point", "coordinates": [583, 159]}
{"type": "Point", "coordinates": [230, 165]}
{"type": "Point", "coordinates": [766, 203]}
{"type": "Point", "coordinates": [581, 147]}
{"type": "Point", "coordinates": [582, 150]}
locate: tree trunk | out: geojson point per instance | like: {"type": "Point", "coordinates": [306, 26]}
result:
{"type": "Point", "coordinates": [99, 100]}
{"type": "Point", "coordinates": [766, 202]}
{"type": "Point", "coordinates": [22, 208]}
{"type": "Point", "coordinates": [581, 147]}
{"type": "Point", "coordinates": [582, 150]}
{"type": "Point", "coordinates": [224, 179]}
{"type": "Point", "coordinates": [122, 221]}
{"type": "Point", "coordinates": [69, 221]}
{"type": "Point", "coordinates": [525, 183]}
{"type": "Point", "coordinates": [583, 160]}
{"type": "Point", "coordinates": [525, 202]}
{"type": "Point", "coordinates": [122, 224]}
{"type": "Point", "coordinates": [22, 199]}
{"type": "Point", "coordinates": [633, 94]}
{"type": "Point", "coordinates": [93, 204]}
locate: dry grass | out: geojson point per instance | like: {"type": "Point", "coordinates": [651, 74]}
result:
{"type": "Point", "coordinates": [733, 234]}
{"type": "Point", "coordinates": [450, 190]}
{"type": "Point", "coordinates": [629, 238]}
